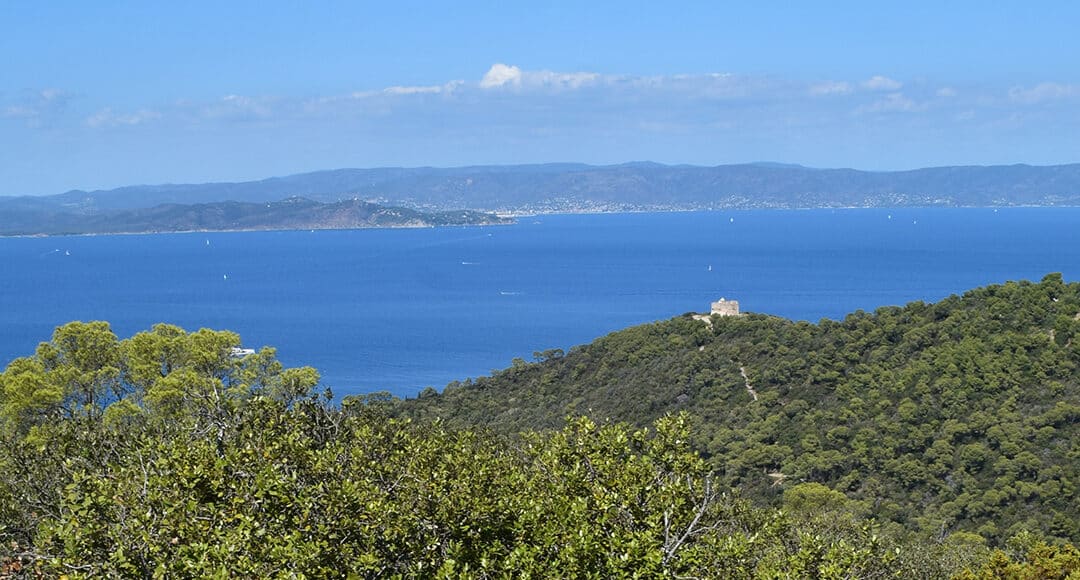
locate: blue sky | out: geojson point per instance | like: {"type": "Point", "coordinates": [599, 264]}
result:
{"type": "Point", "coordinates": [104, 94]}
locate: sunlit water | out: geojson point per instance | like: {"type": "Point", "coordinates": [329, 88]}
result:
{"type": "Point", "coordinates": [403, 309]}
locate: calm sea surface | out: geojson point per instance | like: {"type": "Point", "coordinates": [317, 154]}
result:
{"type": "Point", "coordinates": [404, 309]}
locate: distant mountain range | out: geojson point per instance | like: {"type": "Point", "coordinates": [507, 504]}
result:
{"type": "Point", "coordinates": [568, 188]}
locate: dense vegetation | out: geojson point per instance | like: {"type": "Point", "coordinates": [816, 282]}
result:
{"type": "Point", "coordinates": [170, 454]}
{"type": "Point", "coordinates": [958, 416]}
{"type": "Point", "coordinates": [166, 455]}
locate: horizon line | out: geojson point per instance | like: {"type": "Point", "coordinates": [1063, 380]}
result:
{"type": "Point", "coordinates": [764, 164]}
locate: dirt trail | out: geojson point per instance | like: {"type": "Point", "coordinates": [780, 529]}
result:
{"type": "Point", "coordinates": [749, 387]}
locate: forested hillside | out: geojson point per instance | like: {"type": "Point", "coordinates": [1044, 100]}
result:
{"type": "Point", "coordinates": [958, 416]}
{"type": "Point", "coordinates": [928, 441]}
{"type": "Point", "coordinates": [170, 455]}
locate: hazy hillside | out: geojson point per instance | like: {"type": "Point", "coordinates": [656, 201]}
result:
{"type": "Point", "coordinates": [960, 415]}
{"type": "Point", "coordinates": [293, 213]}
{"type": "Point", "coordinates": [564, 187]}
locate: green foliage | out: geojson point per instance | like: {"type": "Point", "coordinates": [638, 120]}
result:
{"type": "Point", "coordinates": [204, 464]}
{"type": "Point", "coordinates": [938, 418]}
{"type": "Point", "coordinates": [85, 398]}
{"type": "Point", "coordinates": [74, 375]}
{"type": "Point", "coordinates": [1041, 562]}
{"type": "Point", "coordinates": [816, 499]}
{"type": "Point", "coordinates": [904, 443]}
{"type": "Point", "coordinates": [309, 490]}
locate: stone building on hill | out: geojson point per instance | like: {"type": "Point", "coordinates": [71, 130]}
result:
{"type": "Point", "coordinates": [725, 307]}
{"type": "Point", "coordinates": [721, 307]}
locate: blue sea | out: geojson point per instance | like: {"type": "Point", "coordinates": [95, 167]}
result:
{"type": "Point", "coordinates": [402, 309]}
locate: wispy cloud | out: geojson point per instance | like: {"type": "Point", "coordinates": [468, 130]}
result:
{"type": "Point", "coordinates": [539, 85]}
{"type": "Point", "coordinates": [531, 90]}
{"type": "Point", "coordinates": [881, 83]}
{"type": "Point", "coordinates": [508, 113]}
{"type": "Point", "coordinates": [423, 90]}
{"type": "Point", "coordinates": [556, 80]}
{"type": "Point", "coordinates": [892, 103]}
{"type": "Point", "coordinates": [109, 118]}
{"type": "Point", "coordinates": [37, 107]}
{"type": "Point", "coordinates": [829, 88]}
{"type": "Point", "coordinates": [1044, 92]}
{"type": "Point", "coordinates": [402, 90]}
{"type": "Point", "coordinates": [506, 101]}
{"type": "Point", "coordinates": [503, 77]}
{"type": "Point", "coordinates": [238, 108]}
{"type": "Point", "coordinates": [718, 86]}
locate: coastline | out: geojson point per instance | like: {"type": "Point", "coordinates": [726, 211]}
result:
{"type": "Point", "coordinates": [242, 230]}
{"type": "Point", "coordinates": [514, 216]}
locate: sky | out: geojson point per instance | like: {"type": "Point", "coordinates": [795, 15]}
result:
{"type": "Point", "coordinates": [104, 94]}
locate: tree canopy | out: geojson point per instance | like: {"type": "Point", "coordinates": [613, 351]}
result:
{"type": "Point", "coordinates": [956, 416]}
{"type": "Point", "coordinates": [927, 441]}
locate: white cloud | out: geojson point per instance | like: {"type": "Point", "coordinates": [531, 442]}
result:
{"type": "Point", "coordinates": [240, 101]}
{"type": "Point", "coordinates": [892, 103]}
{"type": "Point", "coordinates": [398, 90]}
{"type": "Point", "coordinates": [52, 94]}
{"type": "Point", "coordinates": [36, 105]}
{"type": "Point", "coordinates": [238, 107]}
{"type": "Point", "coordinates": [664, 100]}
{"type": "Point", "coordinates": [500, 75]}
{"type": "Point", "coordinates": [1043, 92]}
{"type": "Point", "coordinates": [711, 85]}
{"type": "Point", "coordinates": [563, 80]}
{"type": "Point", "coordinates": [108, 118]}
{"type": "Point", "coordinates": [829, 88]}
{"type": "Point", "coordinates": [881, 83]}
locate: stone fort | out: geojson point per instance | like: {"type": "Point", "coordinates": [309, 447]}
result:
{"type": "Point", "coordinates": [724, 307]}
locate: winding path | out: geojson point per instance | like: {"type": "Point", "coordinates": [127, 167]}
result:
{"type": "Point", "coordinates": [749, 387]}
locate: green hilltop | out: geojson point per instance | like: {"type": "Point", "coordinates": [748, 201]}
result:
{"type": "Point", "coordinates": [928, 441]}
{"type": "Point", "coordinates": [957, 416]}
